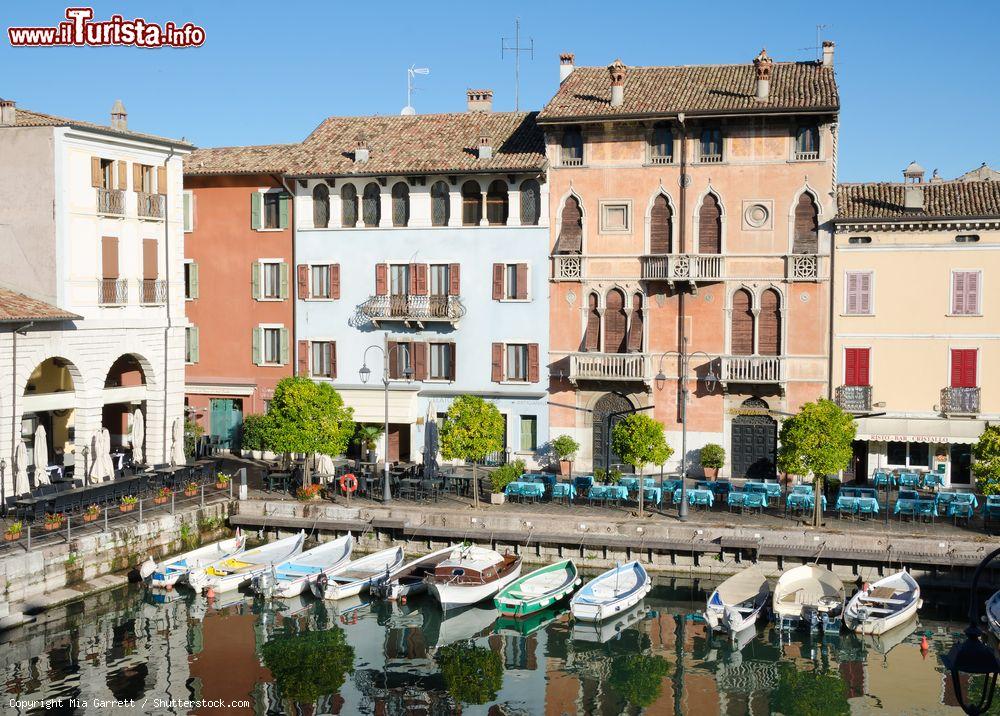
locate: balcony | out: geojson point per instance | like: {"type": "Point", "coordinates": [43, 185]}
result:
{"type": "Point", "coordinates": [854, 398]}
{"type": "Point", "coordinates": [112, 291]}
{"type": "Point", "coordinates": [960, 401]}
{"type": "Point", "coordinates": [802, 267]}
{"type": "Point", "coordinates": [752, 369]}
{"type": "Point", "coordinates": [710, 159]}
{"type": "Point", "coordinates": [111, 201]}
{"type": "Point", "coordinates": [619, 367]}
{"type": "Point", "coordinates": [806, 156]}
{"type": "Point", "coordinates": [567, 268]}
{"type": "Point", "coordinates": [151, 206]}
{"type": "Point", "coordinates": [692, 268]}
{"type": "Point", "coordinates": [154, 291]}
{"type": "Point", "coordinates": [416, 310]}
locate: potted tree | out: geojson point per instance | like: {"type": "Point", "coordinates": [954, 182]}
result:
{"type": "Point", "coordinates": [367, 436]}
{"type": "Point", "coordinates": [503, 476]}
{"type": "Point", "coordinates": [13, 531]}
{"type": "Point", "coordinates": [565, 449]}
{"type": "Point", "coordinates": [713, 457]}
{"type": "Point", "coordinates": [473, 429]}
{"type": "Point", "coordinates": [639, 441]}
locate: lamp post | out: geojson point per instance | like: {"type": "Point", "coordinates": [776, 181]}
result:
{"type": "Point", "coordinates": [365, 373]}
{"type": "Point", "coordinates": [684, 357]}
{"type": "Point", "coordinates": [972, 656]}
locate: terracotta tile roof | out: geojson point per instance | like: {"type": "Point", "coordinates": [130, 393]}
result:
{"type": "Point", "coordinates": [422, 143]}
{"type": "Point", "coordinates": [721, 89]}
{"type": "Point", "coordinates": [28, 118]}
{"type": "Point", "coordinates": [973, 199]}
{"type": "Point", "coordinates": [259, 159]}
{"type": "Point", "coordinates": [16, 307]}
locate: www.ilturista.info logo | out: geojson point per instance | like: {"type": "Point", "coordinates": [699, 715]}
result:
{"type": "Point", "coordinates": [81, 30]}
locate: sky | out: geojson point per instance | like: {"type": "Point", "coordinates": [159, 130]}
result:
{"type": "Point", "coordinates": [918, 80]}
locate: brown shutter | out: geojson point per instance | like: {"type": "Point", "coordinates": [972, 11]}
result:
{"type": "Point", "coordinates": [522, 281]}
{"type": "Point", "coordinates": [741, 342]}
{"type": "Point", "coordinates": [635, 326]}
{"type": "Point", "coordinates": [123, 175]}
{"type": "Point", "coordinates": [497, 363]}
{"type": "Point", "coordinates": [659, 226]}
{"type": "Point", "coordinates": [334, 280]}
{"type": "Point", "coordinates": [454, 361]}
{"type": "Point", "coordinates": [615, 322]}
{"type": "Point", "coordinates": [149, 262]}
{"type": "Point", "coordinates": [419, 273]}
{"type": "Point", "coordinates": [136, 177]}
{"type": "Point", "coordinates": [381, 280]}
{"type": "Point", "coordinates": [419, 361]}
{"type": "Point", "coordinates": [109, 256]}
{"type": "Point", "coordinates": [392, 356]}
{"type": "Point", "coordinates": [454, 279]}
{"type": "Point", "coordinates": [302, 274]}
{"type": "Point", "coordinates": [532, 362]}
{"type": "Point", "coordinates": [769, 339]}
{"type": "Point", "coordinates": [571, 228]}
{"type": "Point", "coordinates": [333, 359]}
{"type": "Point", "coordinates": [710, 226]}
{"type": "Point", "coordinates": [161, 180]}
{"type": "Point", "coordinates": [497, 282]}
{"type": "Point", "coordinates": [592, 337]}
{"type": "Point", "coordinates": [806, 238]}
{"type": "Point", "coordinates": [95, 171]}
{"type": "Point", "coordinates": [303, 357]}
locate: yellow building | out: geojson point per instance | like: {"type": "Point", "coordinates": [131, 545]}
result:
{"type": "Point", "coordinates": [916, 329]}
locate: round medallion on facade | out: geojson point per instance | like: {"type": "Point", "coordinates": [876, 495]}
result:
{"type": "Point", "coordinates": [684, 180]}
{"type": "Point", "coordinates": [756, 215]}
{"type": "Point", "coordinates": [804, 297]}
{"type": "Point", "coordinates": [709, 298]}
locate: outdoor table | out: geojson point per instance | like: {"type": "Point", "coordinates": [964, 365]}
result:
{"type": "Point", "coordinates": [909, 479]}
{"type": "Point", "coordinates": [278, 478]}
{"type": "Point", "coordinates": [933, 479]}
{"type": "Point", "coordinates": [671, 485]}
{"type": "Point", "coordinates": [547, 479]}
{"type": "Point", "coordinates": [744, 500]}
{"type": "Point", "coordinates": [583, 481]}
{"type": "Point", "coordinates": [959, 509]}
{"type": "Point", "coordinates": [882, 478]}
{"type": "Point", "coordinates": [915, 507]}
{"type": "Point", "coordinates": [960, 498]}
{"type": "Point", "coordinates": [696, 497]}
{"type": "Point", "coordinates": [607, 493]}
{"type": "Point", "coordinates": [653, 494]}
{"type": "Point", "coordinates": [803, 500]}
{"type": "Point", "coordinates": [632, 483]}
{"type": "Point", "coordinates": [525, 489]}
{"type": "Point", "coordinates": [563, 490]}
{"type": "Point", "coordinates": [773, 489]}
{"type": "Point", "coordinates": [991, 510]}
{"type": "Point", "coordinates": [909, 495]}
{"type": "Point", "coordinates": [866, 505]}
{"type": "Point", "coordinates": [169, 474]}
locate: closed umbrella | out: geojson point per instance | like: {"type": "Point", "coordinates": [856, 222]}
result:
{"type": "Point", "coordinates": [109, 464]}
{"type": "Point", "coordinates": [324, 465]}
{"type": "Point", "coordinates": [430, 442]}
{"type": "Point", "coordinates": [41, 457]}
{"type": "Point", "coordinates": [138, 436]}
{"type": "Point", "coordinates": [21, 469]}
{"type": "Point", "coordinates": [177, 453]}
{"type": "Point", "coordinates": [101, 460]}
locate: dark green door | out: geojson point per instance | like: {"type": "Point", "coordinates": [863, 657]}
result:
{"type": "Point", "coordinates": [226, 418]}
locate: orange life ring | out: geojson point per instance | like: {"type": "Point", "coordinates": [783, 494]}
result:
{"type": "Point", "coordinates": [348, 483]}
{"type": "Point", "coordinates": [351, 618]}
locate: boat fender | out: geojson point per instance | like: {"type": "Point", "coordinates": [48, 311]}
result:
{"type": "Point", "coordinates": [402, 600]}
{"type": "Point", "coordinates": [210, 593]}
{"type": "Point", "coordinates": [865, 587]}
{"type": "Point", "coordinates": [322, 580]}
{"type": "Point", "coordinates": [147, 568]}
{"type": "Point", "coordinates": [924, 646]}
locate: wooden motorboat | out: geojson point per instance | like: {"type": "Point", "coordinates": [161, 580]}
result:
{"type": "Point", "coordinates": [736, 603]}
{"type": "Point", "coordinates": [611, 593]}
{"type": "Point", "coordinates": [472, 574]}
{"type": "Point", "coordinates": [881, 606]}
{"type": "Point", "coordinates": [809, 596]}
{"type": "Point", "coordinates": [356, 576]}
{"type": "Point", "coordinates": [292, 577]}
{"type": "Point", "coordinates": [228, 574]}
{"type": "Point", "coordinates": [407, 580]}
{"type": "Point", "coordinates": [176, 569]}
{"type": "Point", "coordinates": [537, 590]}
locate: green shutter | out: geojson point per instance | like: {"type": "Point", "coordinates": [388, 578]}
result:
{"type": "Point", "coordinates": [256, 210]}
{"type": "Point", "coordinates": [528, 428]}
{"type": "Point", "coordinates": [188, 218]}
{"type": "Point", "coordinates": [193, 278]}
{"type": "Point", "coordinates": [284, 281]}
{"type": "Point", "coordinates": [255, 280]}
{"type": "Point", "coordinates": [283, 202]}
{"type": "Point", "coordinates": [284, 346]}
{"type": "Point", "coordinates": [194, 338]}
{"type": "Point", "coordinates": [257, 359]}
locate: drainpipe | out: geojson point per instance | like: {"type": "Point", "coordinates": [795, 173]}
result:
{"type": "Point", "coordinates": [293, 339]}
{"type": "Point", "coordinates": [682, 334]}
{"type": "Point", "coordinates": [166, 330]}
{"type": "Point", "coordinates": [13, 405]}
{"type": "Point", "coordinates": [829, 352]}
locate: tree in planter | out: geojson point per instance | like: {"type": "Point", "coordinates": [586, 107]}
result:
{"type": "Point", "coordinates": [472, 430]}
{"type": "Point", "coordinates": [816, 441]}
{"type": "Point", "coordinates": [308, 417]}
{"type": "Point", "coordinates": [565, 449]}
{"type": "Point", "coordinates": [713, 457]}
{"type": "Point", "coordinates": [987, 465]}
{"type": "Point", "coordinates": [638, 440]}
{"type": "Point", "coordinates": [506, 474]}
{"type": "Point", "coordinates": [367, 436]}
{"type": "Point", "coordinates": [253, 433]}
{"type": "Point", "coordinates": [192, 433]}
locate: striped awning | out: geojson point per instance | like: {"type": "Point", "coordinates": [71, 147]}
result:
{"type": "Point", "coordinates": [916, 430]}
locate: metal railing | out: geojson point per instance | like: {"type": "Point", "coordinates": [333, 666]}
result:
{"type": "Point", "coordinates": [413, 308]}
{"type": "Point", "coordinates": [567, 268]}
{"type": "Point", "coordinates": [110, 201]}
{"type": "Point", "coordinates": [154, 290]}
{"type": "Point", "coordinates": [806, 156]}
{"type": "Point", "coordinates": [112, 291]}
{"type": "Point", "coordinates": [960, 401]}
{"type": "Point", "coordinates": [683, 267]}
{"type": "Point", "coordinates": [610, 366]}
{"type": "Point", "coordinates": [752, 369]}
{"type": "Point", "coordinates": [854, 398]}
{"type": "Point", "coordinates": [802, 267]}
{"type": "Point", "coordinates": [151, 206]}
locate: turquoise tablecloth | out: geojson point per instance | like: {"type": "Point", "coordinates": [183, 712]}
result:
{"type": "Point", "coordinates": [773, 489]}
{"type": "Point", "coordinates": [909, 479]}
{"type": "Point", "coordinates": [608, 492]}
{"type": "Point", "coordinates": [653, 494]}
{"type": "Point", "coordinates": [883, 478]}
{"type": "Point", "coordinates": [671, 485]}
{"type": "Point", "coordinates": [933, 479]}
{"type": "Point", "coordinates": [632, 483]}
{"type": "Point", "coordinates": [754, 500]}
{"type": "Point", "coordinates": [804, 500]}
{"type": "Point", "coordinates": [525, 489]}
{"type": "Point", "coordinates": [696, 497]}
{"type": "Point", "coordinates": [958, 498]}
{"type": "Point", "coordinates": [909, 506]}
{"type": "Point", "coordinates": [563, 489]}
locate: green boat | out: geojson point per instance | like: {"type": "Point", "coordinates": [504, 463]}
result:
{"type": "Point", "coordinates": [537, 590]}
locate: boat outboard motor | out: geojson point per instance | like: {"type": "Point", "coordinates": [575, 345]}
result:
{"type": "Point", "coordinates": [810, 615]}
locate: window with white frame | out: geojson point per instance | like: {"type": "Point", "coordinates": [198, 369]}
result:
{"type": "Point", "coordinates": [191, 344]}
{"type": "Point", "coordinates": [517, 362]}
{"type": "Point", "coordinates": [190, 280]}
{"type": "Point", "coordinates": [399, 279]}
{"type": "Point", "coordinates": [616, 217]}
{"type": "Point", "coordinates": [322, 359]}
{"type": "Point", "coordinates": [272, 210]}
{"type": "Point", "coordinates": [319, 281]}
{"type": "Point", "coordinates": [402, 362]}
{"type": "Point", "coordinates": [271, 345]}
{"type": "Point", "coordinates": [441, 363]}
{"type": "Point", "coordinates": [188, 211]}
{"type": "Point", "coordinates": [965, 293]}
{"type": "Point", "coordinates": [438, 278]}
{"type": "Point", "coordinates": [270, 275]}
{"type": "Point", "coordinates": [510, 284]}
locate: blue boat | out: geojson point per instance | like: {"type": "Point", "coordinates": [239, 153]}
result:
{"type": "Point", "coordinates": [611, 593]}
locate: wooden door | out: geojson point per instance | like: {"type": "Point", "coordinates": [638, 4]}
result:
{"type": "Point", "coordinates": [754, 441]}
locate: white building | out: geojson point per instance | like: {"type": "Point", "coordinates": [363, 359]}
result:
{"type": "Point", "coordinates": [90, 224]}
{"type": "Point", "coordinates": [425, 235]}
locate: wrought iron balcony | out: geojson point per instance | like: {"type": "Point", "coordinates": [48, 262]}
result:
{"type": "Point", "coordinates": [154, 290]}
{"type": "Point", "coordinates": [960, 401]}
{"type": "Point", "coordinates": [683, 267]}
{"type": "Point", "coordinates": [151, 206]}
{"type": "Point", "coordinates": [111, 201]}
{"type": "Point", "coordinates": [112, 291]}
{"type": "Point", "coordinates": [413, 309]}
{"type": "Point", "coordinates": [752, 369]}
{"type": "Point", "coordinates": [627, 367]}
{"type": "Point", "coordinates": [802, 267]}
{"type": "Point", "coordinates": [854, 398]}
{"type": "Point", "coordinates": [567, 268]}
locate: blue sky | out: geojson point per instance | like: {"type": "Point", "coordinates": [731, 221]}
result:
{"type": "Point", "coordinates": [917, 80]}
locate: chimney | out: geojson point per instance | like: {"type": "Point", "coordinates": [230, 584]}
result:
{"type": "Point", "coordinates": [828, 53]}
{"type": "Point", "coordinates": [485, 148]}
{"type": "Point", "coordinates": [8, 113]}
{"type": "Point", "coordinates": [119, 117]}
{"type": "Point", "coordinates": [617, 71]}
{"type": "Point", "coordinates": [361, 151]}
{"type": "Point", "coordinates": [936, 178]}
{"type": "Point", "coordinates": [565, 65]}
{"type": "Point", "coordinates": [913, 187]}
{"type": "Point", "coordinates": [762, 65]}
{"type": "Point", "coordinates": [480, 100]}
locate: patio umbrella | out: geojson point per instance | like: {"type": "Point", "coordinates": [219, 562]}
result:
{"type": "Point", "coordinates": [98, 465]}
{"type": "Point", "coordinates": [109, 464]}
{"type": "Point", "coordinates": [430, 441]}
{"type": "Point", "coordinates": [138, 436]}
{"type": "Point", "coordinates": [177, 452]}
{"type": "Point", "coordinates": [41, 457]}
{"type": "Point", "coordinates": [21, 469]}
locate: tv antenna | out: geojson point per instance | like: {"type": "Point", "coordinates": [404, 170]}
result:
{"type": "Point", "coordinates": [516, 49]}
{"type": "Point", "coordinates": [411, 72]}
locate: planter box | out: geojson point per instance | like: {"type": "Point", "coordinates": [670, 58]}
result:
{"type": "Point", "coordinates": [52, 526]}
{"type": "Point", "coordinates": [711, 473]}
{"type": "Point", "coordinates": [190, 493]}
{"type": "Point", "coordinates": [221, 485]}
{"type": "Point", "coordinates": [497, 498]}
{"type": "Point", "coordinates": [564, 467]}
{"type": "Point", "coordinates": [160, 500]}
{"type": "Point", "coordinates": [11, 536]}
{"type": "Point", "coordinates": [90, 518]}
{"type": "Point", "coordinates": [126, 508]}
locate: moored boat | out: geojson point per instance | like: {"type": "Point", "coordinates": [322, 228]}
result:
{"type": "Point", "coordinates": [736, 604]}
{"type": "Point", "coordinates": [537, 590]}
{"type": "Point", "coordinates": [887, 603]}
{"type": "Point", "coordinates": [292, 577]}
{"type": "Point", "coordinates": [810, 596]}
{"type": "Point", "coordinates": [993, 614]}
{"type": "Point", "coordinates": [228, 574]}
{"type": "Point", "coordinates": [611, 593]}
{"type": "Point", "coordinates": [355, 576]}
{"type": "Point", "coordinates": [472, 574]}
{"type": "Point", "coordinates": [407, 580]}
{"type": "Point", "coordinates": [176, 569]}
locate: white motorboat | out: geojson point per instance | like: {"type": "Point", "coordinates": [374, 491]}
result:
{"type": "Point", "coordinates": [407, 580]}
{"type": "Point", "coordinates": [352, 578]}
{"type": "Point", "coordinates": [228, 574]}
{"type": "Point", "coordinates": [472, 574]}
{"type": "Point", "coordinates": [810, 596]}
{"type": "Point", "coordinates": [611, 593]}
{"type": "Point", "coordinates": [736, 603]}
{"type": "Point", "coordinates": [293, 576]}
{"type": "Point", "coordinates": [887, 603]}
{"type": "Point", "coordinates": [993, 614]}
{"type": "Point", "coordinates": [176, 569]}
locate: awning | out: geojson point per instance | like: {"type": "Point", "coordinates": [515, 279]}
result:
{"type": "Point", "coordinates": [916, 430]}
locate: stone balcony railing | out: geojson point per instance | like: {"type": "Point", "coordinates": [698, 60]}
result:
{"type": "Point", "coordinates": [567, 268]}
{"type": "Point", "coordinates": [802, 267]}
{"type": "Point", "coordinates": [683, 267]}
{"type": "Point", "coordinates": [691, 268]}
{"type": "Point", "coordinates": [752, 369]}
{"type": "Point", "coordinates": [151, 206]}
{"type": "Point", "coordinates": [629, 367]}
{"type": "Point", "coordinates": [111, 201]}
{"type": "Point", "coordinates": [854, 398]}
{"type": "Point", "coordinates": [153, 291]}
{"type": "Point", "coordinates": [413, 309]}
{"type": "Point", "coordinates": [112, 291]}
{"type": "Point", "coordinates": [960, 401]}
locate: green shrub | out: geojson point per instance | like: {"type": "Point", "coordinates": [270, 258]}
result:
{"type": "Point", "coordinates": [987, 465]}
{"type": "Point", "coordinates": [713, 456]}
{"type": "Point", "coordinates": [599, 474]}
{"type": "Point", "coordinates": [565, 447]}
{"type": "Point", "coordinates": [254, 430]}
{"type": "Point", "coordinates": [615, 476]}
{"type": "Point", "coordinates": [506, 474]}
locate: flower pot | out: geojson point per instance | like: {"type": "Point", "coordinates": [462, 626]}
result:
{"type": "Point", "coordinates": [564, 467]}
{"type": "Point", "coordinates": [87, 517]}
{"type": "Point", "coordinates": [711, 473]}
{"type": "Point", "coordinates": [52, 526]}
{"type": "Point", "coordinates": [11, 536]}
{"type": "Point", "coordinates": [126, 508]}
{"type": "Point", "coordinates": [160, 500]}
{"type": "Point", "coordinates": [497, 498]}
{"type": "Point", "coordinates": [221, 485]}
{"type": "Point", "coordinates": [190, 493]}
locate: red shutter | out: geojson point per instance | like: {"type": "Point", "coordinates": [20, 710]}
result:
{"type": "Point", "coordinates": [659, 226]}
{"type": "Point", "coordinates": [454, 279]}
{"type": "Point", "coordinates": [963, 368]}
{"type": "Point", "coordinates": [522, 281]}
{"type": "Point", "coordinates": [381, 280]}
{"type": "Point", "coordinates": [419, 274]}
{"type": "Point", "coordinates": [497, 282]}
{"type": "Point", "coordinates": [710, 226]}
{"type": "Point", "coordinates": [419, 361]}
{"type": "Point", "coordinates": [497, 363]}
{"type": "Point", "coordinates": [303, 357]}
{"type": "Point", "coordinates": [392, 356]}
{"type": "Point", "coordinates": [333, 359]}
{"type": "Point", "coordinates": [334, 280]}
{"type": "Point", "coordinates": [856, 361]}
{"type": "Point", "coordinates": [302, 272]}
{"type": "Point", "coordinates": [532, 362]}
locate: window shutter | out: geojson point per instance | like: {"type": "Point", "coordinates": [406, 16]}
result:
{"type": "Point", "coordinates": [193, 279]}
{"type": "Point", "coordinates": [710, 226]}
{"type": "Point", "coordinates": [741, 330]}
{"type": "Point", "coordinates": [958, 292]}
{"type": "Point", "coordinates": [302, 274]}
{"type": "Point", "coordinates": [806, 237]}
{"type": "Point", "coordinates": [194, 347]}
{"type": "Point", "coordinates": [571, 229]}
{"type": "Point", "coordinates": [333, 359]}
{"type": "Point", "coordinates": [852, 292]}
{"type": "Point", "coordinates": [864, 361]}
{"type": "Point", "coordinates": [497, 282]}
{"type": "Point", "coordinates": [615, 321]}
{"type": "Point", "coordinates": [283, 271]}
{"type": "Point", "coordinates": [136, 177]}
{"type": "Point", "coordinates": [284, 346]}
{"type": "Point", "coordinates": [392, 357]}
{"type": "Point", "coordinates": [334, 280]}
{"type": "Point", "coordinates": [963, 368]}
{"type": "Point", "coordinates": [454, 279]}
{"type": "Point", "coordinates": [256, 210]}
{"type": "Point", "coordinates": [769, 324]}
{"type": "Point", "coordinates": [255, 280]}
{"type": "Point", "coordinates": [865, 293]}
{"type": "Point", "coordinates": [497, 363]}
{"type": "Point", "coordinates": [303, 357]}
{"type": "Point", "coordinates": [149, 262]}
{"type": "Point", "coordinates": [972, 292]}
{"type": "Point", "coordinates": [453, 363]}
{"type": "Point", "coordinates": [532, 362]}
{"type": "Point", "coordinates": [522, 281]}
{"type": "Point", "coordinates": [95, 172]}
{"type": "Point", "coordinates": [851, 366]}
{"type": "Point", "coordinates": [122, 175]}
{"type": "Point", "coordinates": [419, 273]}
{"type": "Point", "coordinates": [420, 361]}
{"type": "Point", "coordinates": [659, 226]}
{"type": "Point", "coordinates": [161, 180]}
{"type": "Point", "coordinates": [257, 358]}
{"type": "Point", "coordinates": [381, 280]}
{"type": "Point", "coordinates": [188, 215]}
{"type": "Point", "coordinates": [109, 257]}
{"type": "Point", "coordinates": [283, 202]}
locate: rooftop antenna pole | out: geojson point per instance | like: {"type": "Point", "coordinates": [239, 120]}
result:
{"type": "Point", "coordinates": [411, 72]}
{"type": "Point", "coordinates": [819, 41]}
{"type": "Point", "coordinates": [517, 50]}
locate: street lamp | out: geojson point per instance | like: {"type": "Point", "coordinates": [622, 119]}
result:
{"type": "Point", "coordinates": [972, 656]}
{"type": "Point", "coordinates": [710, 380]}
{"type": "Point", "coordinates": [365, 373]}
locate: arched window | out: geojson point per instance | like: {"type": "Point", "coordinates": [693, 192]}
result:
{"type": "Point", "coordinates": [572, 147]}
{"type": "Point", "coordinates": [571, 228]}
{"type": "Point", "coordinates": [321, 206]}
{"type": "Point", "coordinates": [615, 322]}
{"type": "Point", "coordinates": [440, 204]}
{"type": "Point", "coordinates": [497, 203]}
{"type": "Point", "coordinates": [531, 202]}
{"type": "Point", "coordinates": [472, 204]}
{"type": "Point", "coordinates": [660, 226]}
{"type": "Point", "coordinates": [710, 226]}
{"type": "Point", "coordinates": [806, 237]}
{"type": "Point", "coordinates": [348, 206]}
{"type": "Point", "coordinates": [769, 324]}
{"type": "Point", "coordinates": [371, 205]}
{"type": "Point", "coordinates": [661, 145]}
{"type": "Point", "coordinates": [635, 327]}
{"type": "Point", "coordinates": [741, 336]}
{"type": "Point", "coordinates": [592, 337]}
{"type": "Point", "coordinates": [400, 204]}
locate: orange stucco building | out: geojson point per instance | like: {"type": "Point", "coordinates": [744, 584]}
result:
{"type": "Point", "coordinates": [690, 208]}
